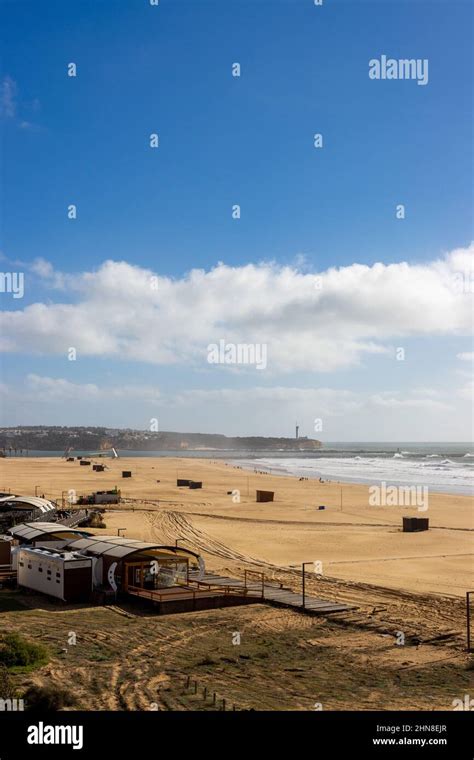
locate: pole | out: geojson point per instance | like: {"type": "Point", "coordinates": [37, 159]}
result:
{"type": "Point", "coordinates": [468, 618]}
{"type": "Point", "coordinates": [303, 584]}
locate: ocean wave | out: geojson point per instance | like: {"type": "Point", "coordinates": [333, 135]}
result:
{"type": "Point", "coordinates": [444, 475]}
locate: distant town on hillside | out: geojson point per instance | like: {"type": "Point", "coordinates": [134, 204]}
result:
{"type": "Point", "coordinates": [45, 438]}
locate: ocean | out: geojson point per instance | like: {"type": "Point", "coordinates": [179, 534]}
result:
{"type": "Point", "coordinates": [446, 467]}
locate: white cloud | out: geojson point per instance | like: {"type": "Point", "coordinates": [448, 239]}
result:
{"type": "Point", "coordinates": [58, 389]}
{"type": "Point", "coordinates": [393, 401]}
{"type": "Point", "coordinates": [326, 401]}
{"type": "Point", "coordinates": [8, 96]}
{"type": "Point", "coordinates": [259, 410]}
{"type": "Point", "coordinates": [466, 356]}
{"type": "Point", "coordinates": [357, 311]}
{"type": "Point", "coordinates": [53, 389]}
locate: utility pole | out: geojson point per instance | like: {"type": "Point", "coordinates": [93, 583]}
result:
{"type": "Point", "coordinates": [303, 585]}
{"type": "Point", "coordinates": [303, 582]}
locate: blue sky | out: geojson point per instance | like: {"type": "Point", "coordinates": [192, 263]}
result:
{"type": "Point", "coordinates": [226, 140]}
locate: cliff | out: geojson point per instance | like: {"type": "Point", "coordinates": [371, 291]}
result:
{"type": "Point", "coordinates": [45, 438]}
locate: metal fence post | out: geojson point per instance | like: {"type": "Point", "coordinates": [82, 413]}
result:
{"type": "Point", "coordinates": [468, 619]}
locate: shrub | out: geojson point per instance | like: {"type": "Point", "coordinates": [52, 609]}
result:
{"type": "Point", "coordinates": [6, 686]}
{"type": "Point", "coordinates": [50, 698]}
{"type": "Point", "coordinates": [18, 653]}
{"type": "Point", "coordinates": [206, 660]}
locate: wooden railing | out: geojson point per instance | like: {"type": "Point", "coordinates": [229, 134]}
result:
{"type": "Point", "coordinates": [171, 594]}
{"type": "Point", "coordinates": [260, 577]}
{"type": "Point", "coordinates": [187, 592]}
{"type": "Point", "coordinates": [223, 588]}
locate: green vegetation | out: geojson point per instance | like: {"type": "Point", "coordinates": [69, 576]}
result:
{"type": "Point", "coordinates": [7, 690]}
{"type": "Point", "coordinates": [20, 655]}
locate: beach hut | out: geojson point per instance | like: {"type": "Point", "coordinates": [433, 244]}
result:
{"type": "Point", "coordinates": [265, 495]}
{"type": "Point", "coordinates": [415, 524]}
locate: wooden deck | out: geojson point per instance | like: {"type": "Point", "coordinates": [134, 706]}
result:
{"type": "Point", "coordinates": [194, 596]}
{"type": "Point", "coordinates": [221, 591]}
{"type": "Point", "coordinates": [274, 593]}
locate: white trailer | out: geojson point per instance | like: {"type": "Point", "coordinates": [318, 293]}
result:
{"type": "Point", "coordinates": [63, 574]}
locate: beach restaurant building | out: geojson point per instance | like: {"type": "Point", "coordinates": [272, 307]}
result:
{"type": "Point", "coordinates": [119, 564]}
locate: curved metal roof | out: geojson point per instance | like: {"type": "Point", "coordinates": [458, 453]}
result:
{"type": "Point", "coordinates": [119, 547]}
{"type": "Point", "coordinates": [31, 531]}
{"type": "Point", "coordinates": [33, 501]}
{"type": "Point", "coordinates": [112, 546]}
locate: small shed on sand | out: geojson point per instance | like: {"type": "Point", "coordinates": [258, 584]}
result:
{"type": "Point", "coordinates": [265, 495]}
{"type": "Point", "coordinates": [415, 524]}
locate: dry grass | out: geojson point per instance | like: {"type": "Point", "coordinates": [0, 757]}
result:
{"type": "Point", "coordinates": [130, 659]}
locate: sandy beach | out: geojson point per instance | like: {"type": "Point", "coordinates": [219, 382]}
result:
{"type": "Point", "coordinates": [352, 540]}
